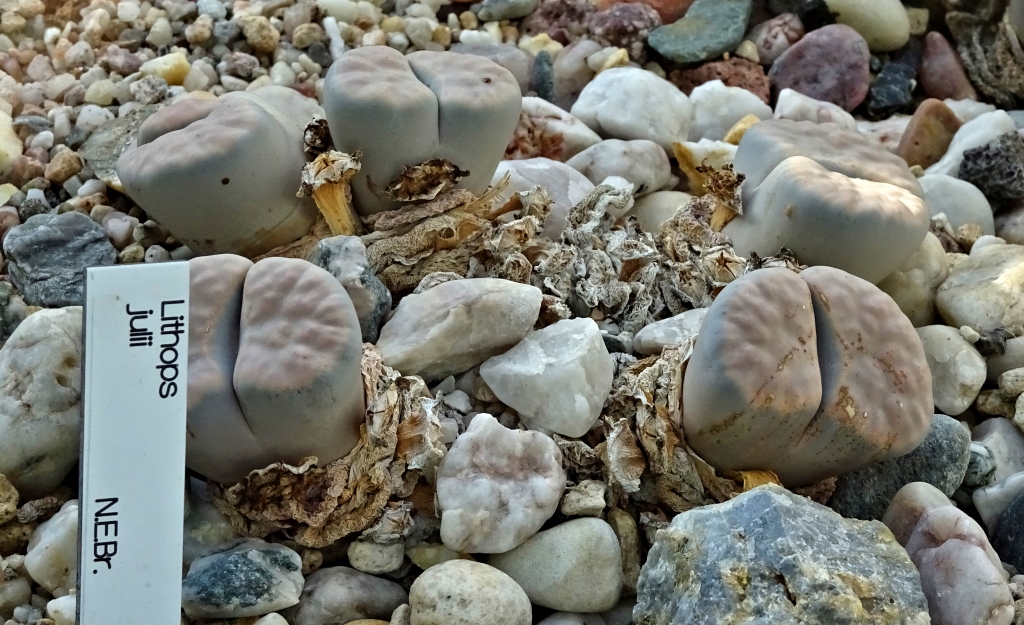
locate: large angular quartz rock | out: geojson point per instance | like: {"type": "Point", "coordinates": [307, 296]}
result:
{"type": "Point", "coordinates": [810, 376]}
{"type": "Point", "coordinates": [496, 487]}
{"type": "Point", "coordinates": [984, 290]}
{"type": "Point", "coordinates": [457, 325]}
{"type": "Point", "coordinates": [556, 378]}
{"type": "Point", "coordinates": [769, 556]}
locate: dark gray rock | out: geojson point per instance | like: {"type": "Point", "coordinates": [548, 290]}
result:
{"type": "Point", "coordinates": [48, 255]}
{"type": "Point", "coordinates": [1008, 537]}
{"type": "Point", "coordinates": [252, 579]}
{"type": "Point", "coordinates": [891, 91]}
{"type": "Point", "coordinates": [770, 556]}
{"type": "Point", "coordinates": [345, 259]}
{"type": "Point", "coordinates": [813, 14]}
{"type": "Point", "coordinates": [997, 168]}
{"type": "Point", "coordinates": [543, 79]}
{"type": "Point", "coordinates": [940, 460]}
{"type": "Point", "coordinates": [980, 468]}
{"type": "Point", "coordinates": [12, 310]}
{"type": "Point", "coordinates": [319, 54]}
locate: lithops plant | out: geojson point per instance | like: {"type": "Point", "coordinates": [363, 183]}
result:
{"type": "Point", "coordinates": [222, 175]}
{"type": "Point", "coordinates": [808, 375]}
{"type": "Point", "coordinates": [274, 356]}
{"type": "Point", "coordinates": [403, 110]}
{"type": "Point", "coordinates": [830, 196]}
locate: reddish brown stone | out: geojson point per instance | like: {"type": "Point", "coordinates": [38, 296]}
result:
{"type": "Point", "coordinates": [942, 74]}
{"type": "Point", "coordinates": [669, 10]}
{"type": "Point", "coordinates": [734, 72]}
{"type": "Point", "coordinates": [625, 25]}
{"type": "Point", "coordinates": [928, 134]}
{"type": "Point", "coordinates": [562, 20]}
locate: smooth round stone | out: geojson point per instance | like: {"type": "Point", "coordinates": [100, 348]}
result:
{"type": "Point", "coordinates": [341, 595]}
{"type": "Point", "coordinates": [641, 162]}
{"type": "Point", "coordinates": [883, 23]}
{"type": "Point", "coordinates": [717, 108]}
{"type": "Point", "coordinates": [572, 567]}
{"type": "Point", "coordinates": [983, 291]}
{"type": "Point", "coordinates": [558, 126]}
{"type": "Point", "coordinates": [461, 592]}
{"type": "Point", "coordinates": [928, 134]}
{"type": "Point", "coordinates": [958, 370]}
{"type": "Point", "coordinates": [1010, 225]}
{"type": "Point", "coordinates": [656, 336]}
{"type": "Point", "coordinates": [909, 505]}
{"type": "Point", "coordinates": [654, 209]}
{"type": "Point", "coordinates": [571, 72]}
{"type": "Point", "coordinates": [913, 285]}
{"type": "Point", "coordinates": [374, 558]}
{"type": "Point", "coordinates": [709, 29]}
{"type": "Point", "coordinates": [960, 201]}
{"type": "Point", "coordinates": [942, 73]}
{"type": "Point", "coordinates": [940, 460]}
{"type": "Point", "coordinates": [1011, 358]}
{"type": "Point", "coordinates": [570, 618]}
{"type": "Point", "coordinates": [969, 110]}
{"type": "Point", "coordinates": [961, 575]}
{"type": "Point", "coordinates": [632, 103]}
{"type": "Point", "coordinates": [565, 186]}
{"type": "Point", "coordinates": [829, 64]}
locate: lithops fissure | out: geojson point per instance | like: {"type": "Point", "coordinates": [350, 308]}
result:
{"type": "Point", "coordinates": [808, 375]}
{"type": "Point", "coordinates": [222, 175]}
{"type": "Point", "coordinates": [404, 110]}
{"type": "Point", "coordinates": [274, 357]}
{"type": "Point", "coordinates": [830, 196]}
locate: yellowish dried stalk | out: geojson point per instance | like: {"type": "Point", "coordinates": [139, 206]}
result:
{"type": "Point", "coordinates": [327, 180]}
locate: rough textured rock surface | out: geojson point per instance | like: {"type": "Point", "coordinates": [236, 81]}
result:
{"type": "Point", "coordinates": [940, 460]}
{"type": "Point", "coordinates": [774, 557]}
{"type": "Point", "coordinates": [40, 392]}
{"type": "Point", "coordinates": [984, 290]}
{"type": "Point", "coordinates": [496, 487]}
{"type": "Point", "coordinates": [783, 362]}
{"type": "Point", "coordinates": [252, 579]}
{"type": "Point", "coordinates": [556, 378]}
{"type": "Point", "coordinates": [457, 325]}
{"type": "Point", "coordinates": [997, 168]}
{"type": "Point", "coordinates": [460, 592]}
{"type": "Point", "coordinates": [49, 253]}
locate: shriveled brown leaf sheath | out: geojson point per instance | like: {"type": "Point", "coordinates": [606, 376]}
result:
{"type": "Point", "coordinates": [319, 505]}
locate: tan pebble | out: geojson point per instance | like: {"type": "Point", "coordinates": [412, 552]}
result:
{"type": "Point", "coordinates": [64, 164]}
{"type": "Point", "coordinates": [928, 134]}
{"type": "Point", "coordinates": [171, 67]}
{"type": "Point", "coordinates": [748, 50]}
{"type": "Point", "coordinates": [442, 35]}
{"type": "Point", "coordinates": [8, 500]}
{"type": "Point", "coordinates": [509, 34]}
{"type": "Point", "coordinates": [11, 23]}
{"type": "Point", "coordinates": [468, 20]}
{"type": "Point", "coordinates": [618, 58]}
{"type": "Point", "coordinates": [918, 20]}
{"type": "Point", "coordinates": [306, 35]}
{"type": "Point", "coordinates": [259, 33]}
{"type": "Point", "coordinates": [30, 8]}
{"type": "Point", "coordinates": [736, 132]}
{"type": "Point", "coordinates": [393, 24]}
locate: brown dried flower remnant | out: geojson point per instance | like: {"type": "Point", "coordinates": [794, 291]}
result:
{"type": "Point", "coordinates": [425, 181]}
{"type": "Point", "coordinates": [532, 139]}
{"type": "Point", "coordinates": [316, 138]}
{"type": "Point", "coordinates": [327, 180]}
{"type": "Point", "coordinates": [319, 505]}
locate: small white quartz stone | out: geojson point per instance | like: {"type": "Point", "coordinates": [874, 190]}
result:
{"type": "Point", "coordinates": [556, 378]}
{"type": "Point", "coordinates": [496, 487]}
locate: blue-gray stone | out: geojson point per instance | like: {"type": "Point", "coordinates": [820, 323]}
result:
{"type": "Point", "coordinates": [252, 579]}
{"type": "Point", "coordinates": [497, 10]}
{"type": "Point", "coordinates": [544, 76]}
{"type": "Point", "coordinates": [1008, 536]}
{"type": "Point", "coordinates": [770, 557]}
{"type": "Point", "coordinates": [940, 460]}
{"type": "Point", "coordinates": [891, 91]}
{"type": "Point", "coordinates": [48, 255]}
{"type": "Point", "coordinates": [345, 259]}
{"type": "Point", "coordinates": [709, 29]}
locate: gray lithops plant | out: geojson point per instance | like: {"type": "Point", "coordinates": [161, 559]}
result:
{"type": "Point", "coordinates": [830, 196]}
{"type": "Point", "coordinates": [222, 175]}
{"type": "Point", "coordinates": [808, 375]}
{"type": "Point", "coordinates": [274, 357]}
{"type": "Point", "coordinates": [404, 110]}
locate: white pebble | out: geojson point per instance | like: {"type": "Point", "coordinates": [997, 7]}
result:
{"type": "Point", "coordinates": [42, 140]}
{"type": "Point", "coordinates": [157, 254]}
{"type": "Point", "coordinates": [90, 187]}
{"type": "Point", "coordinates": [92, 117]}
{"type": "Point", "coordinates": [52, 558]}
{"type": "Point", "coordinates": [62, 610]}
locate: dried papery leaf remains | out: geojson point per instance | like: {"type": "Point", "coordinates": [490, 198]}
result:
{"type": "Point", "coordinates": [316, 506]}
{"type": "Point", "coordinates": [327, 180]}
{"type": "Point", "coordinates": [532, 139]}
{"type": "Point", "coordinates": [424, 181]}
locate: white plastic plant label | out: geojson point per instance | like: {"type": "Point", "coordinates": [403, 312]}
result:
{"type": "Point", "coordinates": [133, 444]}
